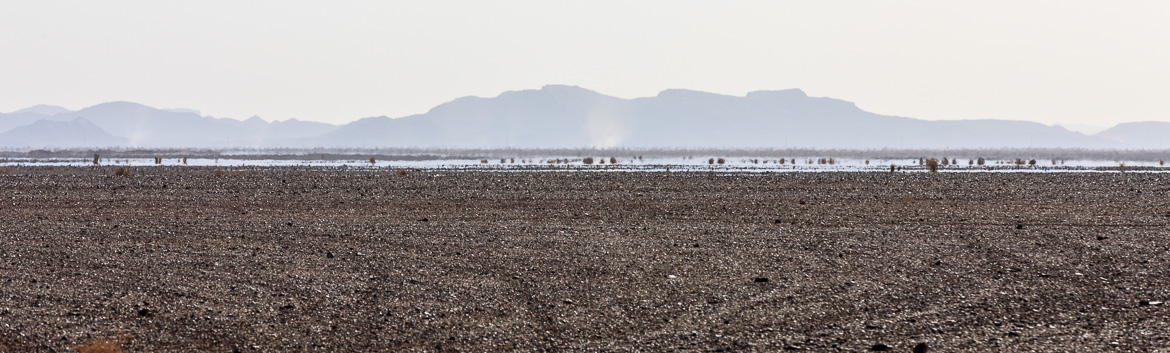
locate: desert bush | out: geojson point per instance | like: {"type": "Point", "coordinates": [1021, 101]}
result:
{"type": "Point", "coordinates": [891, 167]}
{"type": "Point", "coordinates": [185, 160]}
{"type": "Point", "coordinates": [401, 173]}
{"type": "Point", "coordinates": [720, 161]}
{"type": "Point", "coordinates": [832, 161]}
{"type": "Point", "coordinates": [932, 165]}
{"type": "Point", "coordinates": [587, 160]}
{"type": "Point", "coordinates": [122, 172]}
{"type": "Point", "coordinates": [782, 161]}
{"type": "Point", "coordinates": [483, 161]}
{"type": "Point", "coordinates": [1032, 162]}
{"type": "Point", "coordinates": [100, 345]}
{"type": "Point", "coordinates": [96, 157]}
{"type": "Point", "coordinates": [503, 160]}
{"type": "Point", "coordinates": [612, 160]}
{"type": "Point", "coordinates": [980, 161]}
{"type": "Point", "coordinates": [1121, 167]}
{"type": "Point", "coordinates": [1162, 163]}
{"type": "Point", "coordinates": [945, 161]}
{"type": "Point", "coordinates": [711, 161]}
{"type": "Point", "coordinates": [867, 162]}
{"type": "Point", "coordinates": [372, 161]}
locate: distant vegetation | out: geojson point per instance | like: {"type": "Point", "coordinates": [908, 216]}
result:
{"type": "Point", "coordinates": [952, 157]}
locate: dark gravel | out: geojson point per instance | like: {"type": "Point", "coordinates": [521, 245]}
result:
{"type": "Point", "coordinates": [321, 259]}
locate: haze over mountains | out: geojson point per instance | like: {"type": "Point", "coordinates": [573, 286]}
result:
{"type": "Point", "coordinates": [565, 117]}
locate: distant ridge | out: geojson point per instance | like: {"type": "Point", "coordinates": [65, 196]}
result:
{"type": "Point", "coordinates": [1143, 135]}
{"type": "Point", "coordinates": [60, 134]}
{"type": "Point", "coordinates": [559, 116]}
{"type": "Point", "coordinates": [567, 116]}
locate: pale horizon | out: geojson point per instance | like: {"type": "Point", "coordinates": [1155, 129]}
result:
{"type": "Point", "coordinates": [1072, 64]}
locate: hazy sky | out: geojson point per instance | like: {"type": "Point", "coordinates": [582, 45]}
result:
{"type": "Point", "coordinates": [1086, 62]}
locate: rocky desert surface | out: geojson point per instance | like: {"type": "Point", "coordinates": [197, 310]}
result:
{"type": "Point", "coordinates": [287, 259]}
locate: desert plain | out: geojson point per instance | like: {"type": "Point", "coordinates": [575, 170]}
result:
{"type": "Point", "coordinates": [287, 259]}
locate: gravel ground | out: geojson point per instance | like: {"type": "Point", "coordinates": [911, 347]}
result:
{"type": "Point", "coordinates": [329, 259]}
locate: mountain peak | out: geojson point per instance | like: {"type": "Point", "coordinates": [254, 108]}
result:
{"type": "Point", "coordinates": [119, 105]}
{"type": "Point", "coordinates": [44, 109]}
{"type": "Point", "coordinates": [778, 94]}
{"type": "Point", "coordinates": [687, 94]}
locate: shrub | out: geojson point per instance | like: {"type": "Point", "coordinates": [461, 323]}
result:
{"type": "Point", "coordinates": [711, 161]}
{"type": "Point", "coordinates": [601, 161]}
{"type": "Point", "coordinates": [503, 160]}
{"type": "Point", "coordinates": [782, 161]}
{"type": "Point", "coordinates": [612, 160]}
{"type": "Point", "coordinates": [944, 161]}
{"type": "Point", "coordinates": [401, 173]}
{"type": "Point", "coordinates": [1162, 163]}
{"type": "Point", "coordinates": [970, 162]}
{"type": "Point", "coordinates": [219, 172]}
{"type": "Point", "coordinates": [720, 161]}
{"type": "Point", "coordinates": [980, 160]}
{"type": "Point", "coordinates": [867, 162]}
{"type": "Point", "coordinates": [1121, 167]}
{"type": "Point", "coordinates": [372, 161]}
{"type": "Point", "coordinates": [587, 160]}
{"type": "Point", "coordinates": [122, 172]}
{"type": "Point", "coordinates": [891, 167]}
{"type": "Point", "coordinates": [932, 165]}
{"type": "Point", "coordinates": [832, 161]}
{"type": "Point", "coordinates": [96, 157]}
{"type": "Point", "coordinates": [1032, 162]}
{"type": "Point", "coordinates": [100, 345]}
{"type": "Point", "coordinates": [483, 161]}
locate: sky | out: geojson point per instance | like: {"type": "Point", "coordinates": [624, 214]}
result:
{"type": "Point", "coordinates": [1093, 63]}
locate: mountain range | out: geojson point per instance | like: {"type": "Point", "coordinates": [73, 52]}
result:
{"type": "Point", "coordinates": [565, 117]}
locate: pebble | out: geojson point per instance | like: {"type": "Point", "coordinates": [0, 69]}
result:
{"type": "Point", "coordinates": [921, 348]}
{"type": "Point", "coordinates": [671, 276]}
